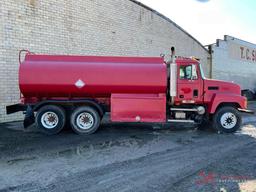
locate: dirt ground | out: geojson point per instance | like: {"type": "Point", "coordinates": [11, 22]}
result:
{"type": "Point", "coordinates": [129, 157]}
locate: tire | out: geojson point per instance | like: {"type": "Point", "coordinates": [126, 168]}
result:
{"type": "Point", "coordinates": [227, 120]}
{"type": "Point", "coordinates": [82, 114]}
{"type": "Point", "coordinates": [50, 119]}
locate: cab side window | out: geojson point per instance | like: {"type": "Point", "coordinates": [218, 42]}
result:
{"type": "Point", "coordinates": [188, 72]}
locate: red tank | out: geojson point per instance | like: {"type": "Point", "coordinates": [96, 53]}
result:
{"type": "Point", "coordinates": [81, 76]}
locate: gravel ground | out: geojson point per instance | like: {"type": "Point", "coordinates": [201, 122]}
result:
{"type": "Point", "coordinates": [129, 157]}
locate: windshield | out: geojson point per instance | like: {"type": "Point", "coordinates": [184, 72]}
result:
{"type": "Point", "coordinates": [201, 71]}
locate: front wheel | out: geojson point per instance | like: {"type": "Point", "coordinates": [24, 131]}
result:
{"type": "Point", "coordinates": [227, 120]}
{"type": "Point", "coordinates": [85, 120]}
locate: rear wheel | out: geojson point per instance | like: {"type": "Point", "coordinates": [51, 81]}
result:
{"type": "Point", "coordinates": [85, 120]}
{"type": "Point", "coordinates": [50, 119]}
{"type": "Point", "coordinates": [227, 120]}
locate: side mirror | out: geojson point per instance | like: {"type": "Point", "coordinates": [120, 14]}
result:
{"type": "Point", "coordinates": [162, 55]}
{"type": "Point", "coordinates": [194, 72]}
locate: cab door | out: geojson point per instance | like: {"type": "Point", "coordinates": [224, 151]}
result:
{"type": "Point", "coordinates": [189, 84]}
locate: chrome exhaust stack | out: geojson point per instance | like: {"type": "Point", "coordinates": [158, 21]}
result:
{"type": "Point", "coordinates": [172, 73]}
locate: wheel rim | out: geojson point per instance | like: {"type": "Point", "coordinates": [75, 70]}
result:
{"type": "Point", "coordinates": [85, 121]}
{"type": "Point", "coordinates": [228, 120]}
{"type": "Point", "coordinates": [49, 120]}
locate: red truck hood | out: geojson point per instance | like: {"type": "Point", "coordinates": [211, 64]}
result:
{"type": "Point", "coordinates": [222, 86]}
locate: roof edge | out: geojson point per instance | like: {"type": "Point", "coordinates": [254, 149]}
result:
{"type": "Point", "coordinates": [169, 20]}
{"type": "Point", "coordinates": [235, 38]}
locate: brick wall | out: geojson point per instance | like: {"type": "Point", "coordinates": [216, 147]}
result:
{"type": "Point", "coordinates": [84, 27]}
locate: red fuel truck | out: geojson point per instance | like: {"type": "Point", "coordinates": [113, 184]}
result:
{"type": "Point", "coordinates": [79, 90]}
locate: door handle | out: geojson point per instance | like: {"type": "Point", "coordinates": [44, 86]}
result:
{"type": "Point", "coordinates": [195, 93]}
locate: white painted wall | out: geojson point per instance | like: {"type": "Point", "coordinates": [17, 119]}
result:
{"type": "Point", "coordinates": [235, 60]}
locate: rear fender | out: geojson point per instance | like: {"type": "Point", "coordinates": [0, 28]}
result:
{"type": "Point", "coordinates": [229, 99]}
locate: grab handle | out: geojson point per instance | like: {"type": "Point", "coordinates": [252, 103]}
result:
{"type": "Point", "coordinates": [23, 51]}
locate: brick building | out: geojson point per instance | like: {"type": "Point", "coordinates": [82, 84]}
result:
{"type": "Point", "coordinates": [84, 27]}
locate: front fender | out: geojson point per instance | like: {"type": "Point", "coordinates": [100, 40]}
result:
{"type": "Point", "coordinates": [226, 98]}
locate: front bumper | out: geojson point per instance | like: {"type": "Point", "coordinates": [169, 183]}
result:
{"type": "Point", "coordinates": [246, 111]}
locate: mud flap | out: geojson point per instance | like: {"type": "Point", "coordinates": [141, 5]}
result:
{"type": "Point", "coordinates": [29, 117]}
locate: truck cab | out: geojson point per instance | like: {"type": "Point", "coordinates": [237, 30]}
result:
{"type": "Point", "coordinates": [215, 103]}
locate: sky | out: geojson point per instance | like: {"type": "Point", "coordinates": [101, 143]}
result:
{"type": "Point", "coordinates": [208, 20]}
